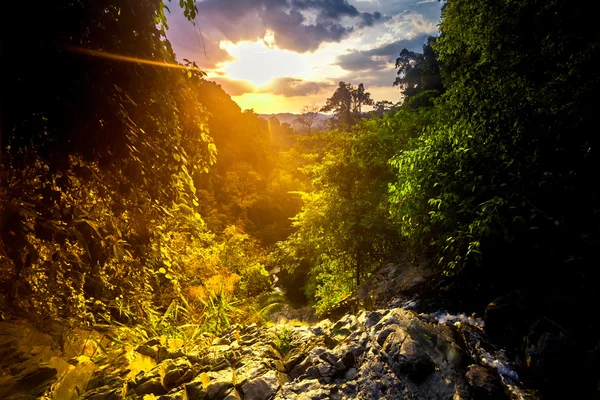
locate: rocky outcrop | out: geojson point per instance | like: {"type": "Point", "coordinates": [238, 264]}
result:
{"type": "Point", "coordinates": [384, 354]}
{"type": "Point", "coordinates": [391, 352]}
{"type": "Point", "coordinates": [33, 364]}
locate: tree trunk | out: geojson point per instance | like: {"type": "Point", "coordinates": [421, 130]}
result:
{"type": "Point", "coordinates": [358, 264]}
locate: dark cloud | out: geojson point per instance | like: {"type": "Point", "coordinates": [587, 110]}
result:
{"type": "Point", "coordinates": [392, 50]}
{"type": "Point", "coordinates": [360, 61]}
{"type": "Point", "coordinates": [290, 87]}
{"type": "Point", "coordinates": [379, 57]}
{"type": "Point", "coordinates": [378, 79]}
{"type": "Point", "coordinates": [234, 87]}
{"type": "Point", "coordinates": [299, 25]}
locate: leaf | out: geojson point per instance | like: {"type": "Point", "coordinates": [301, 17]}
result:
{"type": "Point", "coordinates": [162, 270]}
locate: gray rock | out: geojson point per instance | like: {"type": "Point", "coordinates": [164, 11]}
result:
{"type": "Point", "coordinates": [412, 361]}
{"type": "Point", "coordinates": [372, 319]}
{"type": "Point", "coordinates": [350, 374]}
{"type": "Point", "coordinates": [261, 388]}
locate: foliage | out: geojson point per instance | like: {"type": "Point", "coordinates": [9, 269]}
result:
{"type": "Point", "coordinates": [504, 171]}
{"type": "Point", "coordinates": [346, 104]}
{"type": "Point", "coordinates": [419, 72]}
{"type": "Point", "coordinates": [101, 216]}
{"type": "Point", "coordinates": [284, 340]}
{"type": "Point", "coordinates": [308, 117]}
{"type": "Point", "coordinates": [344, 230]}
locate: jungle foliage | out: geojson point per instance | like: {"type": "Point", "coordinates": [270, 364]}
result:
{"type": "Point", "coordinates": [132, 193]}
{"type": "Point", "coordinates": [488, 167]}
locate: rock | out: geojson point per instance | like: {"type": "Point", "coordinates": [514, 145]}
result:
{"type": "Point", "coordinates": [75, 380]}
{"type": "Point", "coordinates": [232, 395]}
{"type": "Point", "coordinates": [485, 383]}
{"type": "Point", "coordinates": [385, 332]}
{"type": "Point", "coordinates": [151, 386]}
{"type": "Point", "coordinates": [350, 374]}
{"type": "Point", "coordinates": [294, 360]}
{"type": "Point", "coordinates": [218, 390]}
{"type": "Point", "coordinates": [174, 372]}
{"type": "Point", "coordinates": [372, 319]}
{"type": "Point", "coordinates": [147, 350]}
{"type": "Point", "coordinates": [180, 395]}
{"type": "Point", "coordinates": [165, 354]}
{"type": "Point", "coordinates": [262, 388]}
{"type": "Point", "coordinates": [412, 361]}
{"type": "Point", "coordinates": [195, 391]}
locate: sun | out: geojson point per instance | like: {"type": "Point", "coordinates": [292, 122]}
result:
{"type": "Point", "coordinates": [260, 61]}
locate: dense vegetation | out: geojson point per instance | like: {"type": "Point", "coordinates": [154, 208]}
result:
{"type": "Point", "coordinates": [488, 167]}
{"type": "Point", "coordinates": [130, 190]}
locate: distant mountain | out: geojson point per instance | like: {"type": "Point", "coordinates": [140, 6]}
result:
{"type": "Point", "coordinates": [292, 119]}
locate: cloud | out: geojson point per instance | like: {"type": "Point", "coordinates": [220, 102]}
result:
{"type": "Point", "coordinates": [392, 50]}
{"type": "Point", "coordinates": [234, 87]}
{"type": "Point", "coordinates": [380, 57]}
{"type": "Point", "coordinates": [298, 25]}
{"type": "Point", "coordinates": [359, 61]}
{"type": "Point", "coordinates": [290, 87]}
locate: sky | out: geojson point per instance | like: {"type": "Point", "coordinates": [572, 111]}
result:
{"type": "Point", "coordinates": [277, 56]}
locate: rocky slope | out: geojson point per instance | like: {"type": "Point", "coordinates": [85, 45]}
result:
{"type": "Point", "coordinates": [390, 353]}
{"type": "Point", "coordinates": [396, 349]}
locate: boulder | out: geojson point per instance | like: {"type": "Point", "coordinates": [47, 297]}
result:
{"type": "Point", "coordinates": [484, 382]}
{"type": "Point", "coordinates": [261, 388]}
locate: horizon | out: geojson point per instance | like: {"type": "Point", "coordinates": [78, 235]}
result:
{"type": "Point", "coordinates": [292, 54]}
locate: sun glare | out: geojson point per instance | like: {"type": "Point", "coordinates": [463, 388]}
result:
{"type": "Point", "coordinates": [260, 61]}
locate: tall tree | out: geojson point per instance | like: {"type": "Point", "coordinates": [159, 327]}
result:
{"type": "Point", "coordinates": [346, 103]}
{"type": "Point", "coordinates": [308, 117]}
{"type": "Point", "coordinates": [419, 73]}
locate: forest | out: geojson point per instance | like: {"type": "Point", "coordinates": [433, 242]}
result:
{"type": "Point", "coordinates": [139, 196]}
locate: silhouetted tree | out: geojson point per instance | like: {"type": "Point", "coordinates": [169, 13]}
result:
{"type": "Point", "coordinates": [346, 103]}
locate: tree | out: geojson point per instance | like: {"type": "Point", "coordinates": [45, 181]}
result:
{"type": "Point", "coordinates": [308, 116]}
{"type": "Point", "coordinates": [419, 72]}
{"type": "Point", "coordinates": [346, 103]}
{"type": "Point", "coordinates": [381, 107]}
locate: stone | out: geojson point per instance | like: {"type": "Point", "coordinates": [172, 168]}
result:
{"type": "Point", "coordinates": [350, 374]}
{"type": "Point", "coordinates": [194, 391]}
{"type": "Point", "coordinates": [75, 380]}
{"type": "Point", "coordinates": [173, 372]}
{"type": "Point", "coordinates": [232, 395]}
{"type": "Point", "coordinates": [217, 390]}
{"type": "Point", "coordinates": [165, 354]}
{"type": "Point", "coordinates": [411, 361]}
{"type": "Point", "coordinates": [261, 388]}
{"type": "Point", "coordinates": [484, 382]}
{"type": "Point", "coordinates": [151, 386]}
{"type": "Point", "coordinates": [147, 350]}
{"type": "Point", "coordinates": [372, 319]}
